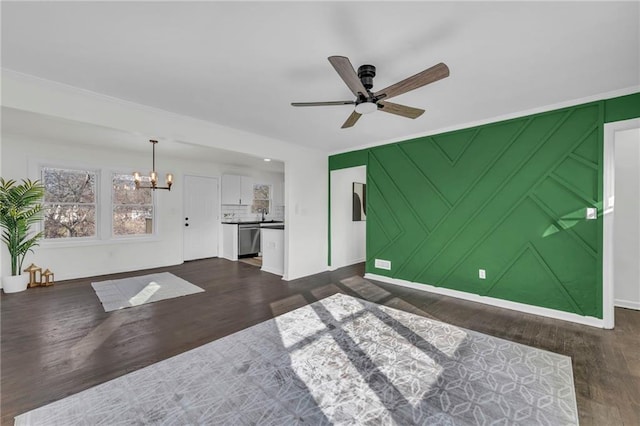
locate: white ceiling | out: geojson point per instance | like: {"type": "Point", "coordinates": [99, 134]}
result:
{"type": "Point", "coordinates": [70, 133]}
{"type": "Point", "coordinates": [240, 64]}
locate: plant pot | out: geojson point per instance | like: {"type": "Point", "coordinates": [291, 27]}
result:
{"type": "Point", "coordinates": [16, 283]}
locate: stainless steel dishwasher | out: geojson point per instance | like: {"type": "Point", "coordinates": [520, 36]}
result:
{"type": "Point", "coordinates": [248, 239]}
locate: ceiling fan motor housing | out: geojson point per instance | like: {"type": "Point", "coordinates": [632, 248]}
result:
{"type": "Point", "coordinates": [366, 74]}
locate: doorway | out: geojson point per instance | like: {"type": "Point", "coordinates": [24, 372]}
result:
{"type": "Point", "coordinates": [201, 217]}
{"type": "Point", "coordinates": [348, 216]}
{"type": "Point", "coordinates": [621, 279]}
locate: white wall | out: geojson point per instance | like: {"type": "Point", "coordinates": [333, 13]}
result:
{"type": "Point", "coordinates": [348, 238]}
{"type": "Point", "coordinates": [21, 158]}
{"type": "Point", "coordinates": [305, 233]}
{"type": "Point", "coordinates": [627, 219]}
{"type": "Point", "coordinates": [305, 168]}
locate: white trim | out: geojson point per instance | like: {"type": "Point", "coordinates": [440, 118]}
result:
{"type": "Point", "coordinates": [628, 304]}
{"type": "Point", "coordinates": [103, 204]}
{"type": "Point", "coordinates": [608, 278]}
{"type": "Point", "coordinates": [271, 271]}
{"type": "Point", "coordinates": [496, 119]}
{"type": "Point", "coordinates": [521, 307]}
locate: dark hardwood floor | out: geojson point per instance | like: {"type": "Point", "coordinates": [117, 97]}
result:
{"type": "Point", "coordinates": [57, 341]}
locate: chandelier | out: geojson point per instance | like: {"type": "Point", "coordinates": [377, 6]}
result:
{"type": "Point", "coordinates": [153, 176]}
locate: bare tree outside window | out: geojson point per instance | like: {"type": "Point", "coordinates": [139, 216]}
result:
{"type": "Point", "coordinates": [261, 198]}
{"type": "Point", "coordinates": [132, 208]}
{"type": "Point", "coordinates": [69, 203]}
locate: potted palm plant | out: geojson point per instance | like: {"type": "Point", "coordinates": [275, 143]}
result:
{"type": "Point", "coordinates": [20, 207]}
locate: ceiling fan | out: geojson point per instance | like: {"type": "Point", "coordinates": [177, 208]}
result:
{"type": "Point", "coordinates": [366, 101]}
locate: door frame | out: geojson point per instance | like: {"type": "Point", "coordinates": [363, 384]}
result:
{"type": "Point", "coordinates": [218, 202]}
{"type": "Point", "coordinates": [608, 213]}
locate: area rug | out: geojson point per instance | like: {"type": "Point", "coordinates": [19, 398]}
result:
{"type": "Point", "coordinates": [341, 360]}
{"type": "Point", "coordinates": [135, 291]}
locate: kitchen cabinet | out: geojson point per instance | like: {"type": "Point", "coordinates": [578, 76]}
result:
{"type": "Point", "coordinates": [230, 241]}
{"type": "Point", "coordinates": [273, 250]}
{"type": "Point", "coordinates": [237, 190]}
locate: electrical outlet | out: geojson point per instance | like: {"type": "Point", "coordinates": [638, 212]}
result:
{"type": "Point", "coordinates": [592, 213]}
{"type": "Point", "coordinates": [383, 264]}
{"type": "Point", "coordinates": [482, 274]}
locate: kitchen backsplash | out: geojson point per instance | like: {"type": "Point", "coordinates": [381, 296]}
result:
{"type": "Point", "coordinates": [243, 213]}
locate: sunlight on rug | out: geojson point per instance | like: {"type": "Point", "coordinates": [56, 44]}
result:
{"type": "Point", "coordinates": [341, 360]}
{"type": "Point", "coordinates": [135, 291]}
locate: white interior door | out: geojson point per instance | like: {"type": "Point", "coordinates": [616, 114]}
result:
{"type": "Point", "coordinates": [201, 217]}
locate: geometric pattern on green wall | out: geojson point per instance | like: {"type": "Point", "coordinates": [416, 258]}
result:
{"type": "Point", "coordinates": [508, 197]}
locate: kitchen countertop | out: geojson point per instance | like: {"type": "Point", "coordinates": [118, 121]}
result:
{"type": "Point", "coordinates": [254, 222]}
{"type": "Point", "coordinates": [273, 227]}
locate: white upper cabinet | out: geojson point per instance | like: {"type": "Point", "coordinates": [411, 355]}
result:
{"type": "Point", "coordinates": [237, 190]}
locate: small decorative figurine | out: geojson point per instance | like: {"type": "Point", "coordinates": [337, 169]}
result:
{"type": "Point", "coordinates": [32, 270]}
{"type": "Point", "coordinates": [47, 278]}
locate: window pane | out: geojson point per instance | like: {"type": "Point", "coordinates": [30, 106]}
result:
{"type": "Point", "coordinates": [259, 205]}
{"type": "Point", "coordinates": [125, 192]}
{"type": "Point", "coordinates": [261, 192]}
{"type": "Point", "coordinates": [132, 220]}
{"type": "Point", "coordinates": [69, 221]}
{"type": "Point", "coordinates": [69, 186]}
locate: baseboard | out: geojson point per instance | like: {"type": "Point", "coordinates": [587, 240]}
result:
{"type": "Point", "coordinates": [521, 307]}
{"type": "Point", "coordinates": [271, 271]}
{"type": "Point", "coordinates": [629, 304]}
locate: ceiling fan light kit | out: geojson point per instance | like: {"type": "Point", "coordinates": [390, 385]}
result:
{"type": "Point", "coordinates": [367, 102]}
{"type": "Point", "coordinates": [366, 107]}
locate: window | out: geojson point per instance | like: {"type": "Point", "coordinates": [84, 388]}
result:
{"type": "Point", "coordinates": [132, 208]}
{"type": "Point", "coordinates": [261, 198]}
{"type": "Point", "coordinates": [69, 203]}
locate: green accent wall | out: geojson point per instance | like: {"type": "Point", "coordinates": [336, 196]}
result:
{"type": "Point", "coordinates": [508, 197]}
{"type": "Point", "coordinates": [622, 108]}
{"type": "Point", "coordinates": [348, 159]}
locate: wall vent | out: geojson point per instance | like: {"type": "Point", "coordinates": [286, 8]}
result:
{"type": "Point", "coordinates": [383, 264]}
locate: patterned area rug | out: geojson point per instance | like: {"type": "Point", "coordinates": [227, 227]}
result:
{"type": "Point", "coordinates": [341, 360]}
{"type": "Point", "coordinates": [134, 291]}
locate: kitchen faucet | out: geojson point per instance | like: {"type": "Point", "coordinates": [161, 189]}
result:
{"type": "Point", "coordinates": [263, 211]}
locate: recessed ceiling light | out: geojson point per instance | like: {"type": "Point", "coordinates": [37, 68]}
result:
{"type": "Point", "coordinates": [267, 159]}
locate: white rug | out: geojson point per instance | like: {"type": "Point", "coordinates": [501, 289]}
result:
{"type": "Point", "coordinates": [341, 360]}
{"type": "Point", "coordinates": [135, 291]}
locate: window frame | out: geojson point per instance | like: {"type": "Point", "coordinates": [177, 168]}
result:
{"type": "Point", "coordinates": [270, 199]}
{"type": "Point", "coordinates": [103, 206]}
{"type": "Point", "coordinates": [112, 205]}
{"type": "Point", "coordinates": [97, 235]}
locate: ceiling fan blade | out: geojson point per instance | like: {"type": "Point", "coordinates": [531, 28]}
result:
{"type": "Point", "coordinates": [329, 103]}
{"type": "Point", "coordinates": [344, 68]}
{"type": "Point", "coordinates": [397, 109]}
{"type": "Point", "coordinates": [435, 73]}
{"type": "Point", "coordinates": [353, 118]}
